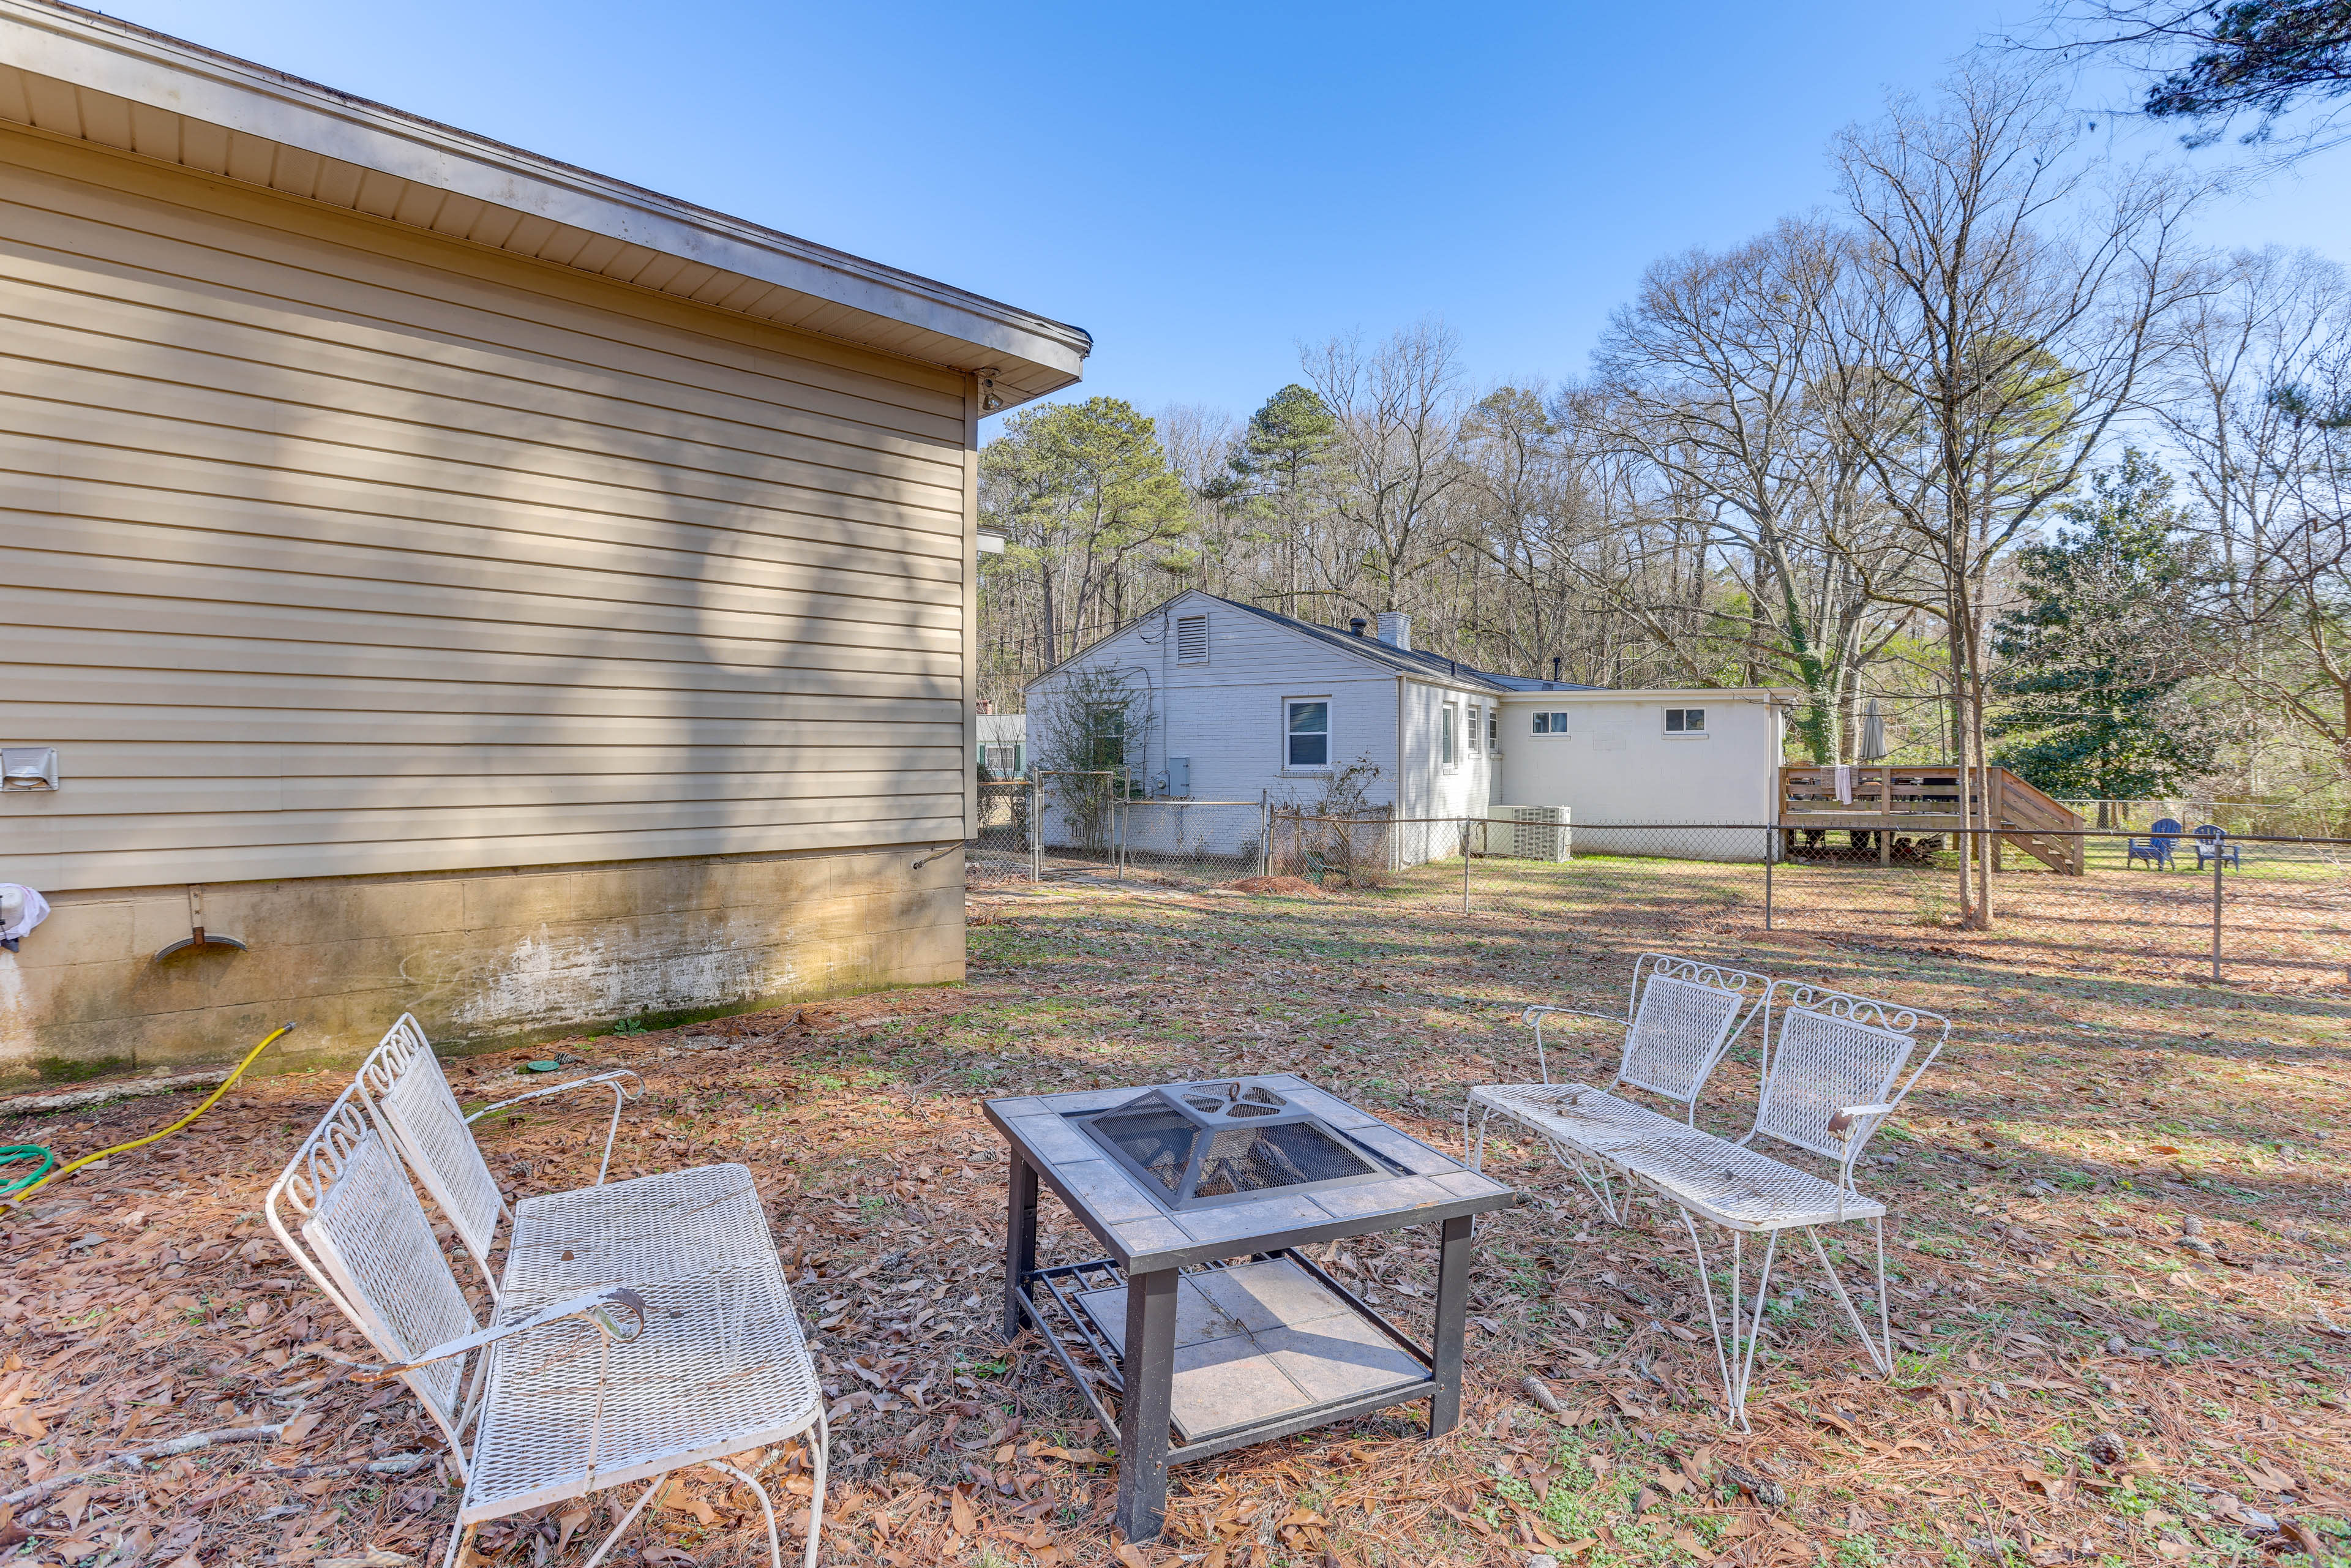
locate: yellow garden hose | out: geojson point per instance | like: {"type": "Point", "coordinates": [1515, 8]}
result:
{"type": "Point", "coordinates": [28, 1151]}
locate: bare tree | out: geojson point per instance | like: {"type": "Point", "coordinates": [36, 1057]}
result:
{"type": "Point", "coordinates": [2261, 428]}
{"type": "Point", "coordinates": [1717, 370]}
{"type": "Point", "coordinates": [1394, 456]}
{"type": "Point", "coordinates": [2013, 300]}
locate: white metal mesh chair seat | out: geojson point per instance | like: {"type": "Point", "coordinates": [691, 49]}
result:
{"type": "Point", "coordinates": [650, 1228]}
{"type": "Point", "coordinates": [721, 1368]}
{"type": "Point", "coordinates": [1578, 1115]}
{"type": "Point", "coordinates": [1737, 1187]}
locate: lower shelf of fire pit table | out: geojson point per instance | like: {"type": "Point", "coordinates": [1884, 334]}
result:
{"type": "Point", "coordinates": [1264, 1344]}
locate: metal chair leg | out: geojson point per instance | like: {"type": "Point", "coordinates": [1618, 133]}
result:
{"type": "Point", "coordinates": [1734, 1360]}
{"type": "Point", "coordinates": [774, 1542]}
{"type": "Point", "coordinates": [1478, 1154]}
{"type": "Point", "coordinates": [1881, 1354]}
{"type": "Point", "coordinates": [1602, 1191]}
{"type": "Point", "coordinates": [818, 1449]}
{"type": "Point", "coordinates": [627, 1519]}
{"type": "Point", "coordinates": [1706, 1288]}
{"type": "Point", "coordinates": [611, 1133]}
{"type": "Point", "coordinates": [1736, 1393]}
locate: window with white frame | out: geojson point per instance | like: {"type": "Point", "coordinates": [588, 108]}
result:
{"type": "Point", "coordinates": [1686, 721]}
{"type": "Point", "coordinates": [1306, 734]}
{"type": "Point", "coordinates": [1105, 747]}
{"type": "Point", "coordinates": [1445, 746]}
{"type": "Point", "coordinates": [1475, 727]}
{"type": "Point", "coordinates": [1493, 731]}
{"type": "Point", "coordinates": [1191, 638]}
{"type": "Point", "coordinates": [1552, 723]}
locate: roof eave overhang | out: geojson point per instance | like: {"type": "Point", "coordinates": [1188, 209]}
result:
{"type": "Point", "coordinates": [85, 76]}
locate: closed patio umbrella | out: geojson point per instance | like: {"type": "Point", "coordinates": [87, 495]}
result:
{"type": "Point", "coordinates": [1873, 734]}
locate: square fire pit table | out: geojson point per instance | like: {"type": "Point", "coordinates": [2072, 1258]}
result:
{"type": "Point", "coordinates": [1205, 1320]}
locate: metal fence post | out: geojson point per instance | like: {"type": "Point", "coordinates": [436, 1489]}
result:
{"type": "Point", "coordinates": [1036, 829]}
{"type": "Point", "coordinates": [1264, 833]}
{"type": "Point", "coordinates": [1770, 845]}
{"type": "Point", "coordinates": [1464, 865]}
{"type": "Point", "coordinates": [2217, 858]}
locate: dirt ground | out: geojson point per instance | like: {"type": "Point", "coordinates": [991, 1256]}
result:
{"type": "Point", "coordinates": [2119, 1278]}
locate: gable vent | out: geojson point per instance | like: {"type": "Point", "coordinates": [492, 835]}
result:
{"type": "Point", "coordinates": [1191, 638]}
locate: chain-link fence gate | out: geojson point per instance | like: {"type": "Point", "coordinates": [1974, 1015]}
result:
{"type": "Point", "coordinates": [1001, 849]}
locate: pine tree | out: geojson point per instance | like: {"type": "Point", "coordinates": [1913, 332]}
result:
{"type": "Point", "coordinates": [2094, 673]}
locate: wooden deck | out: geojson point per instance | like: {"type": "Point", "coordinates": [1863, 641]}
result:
{"type": "Point", "coordinates": [1903, 813]}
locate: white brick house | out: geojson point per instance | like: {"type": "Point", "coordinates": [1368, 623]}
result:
{"type": "Point", "coordinates": [1241, 704]}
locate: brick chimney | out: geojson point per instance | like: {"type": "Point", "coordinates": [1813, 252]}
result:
{"type": "Point", "coordinates": [1395, 628]}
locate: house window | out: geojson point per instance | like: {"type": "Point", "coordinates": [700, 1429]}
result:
{"type": "Point", "coordinates": [997, 759]}
{"type": "Point", "coordinates": [1494, 731]}
{"type": "Point", "coordinates": [1686, 721]}
{"type": "Point", "coordinates": [1551, 724]}
{"type": "Point", "coordinates": [1306, 732]}
{"type": "Point", "coordinates": [1105, 747]}
{"type": "Point", "coordinates": [1191, 638]}
{"type": "Point", "coordinates": [1445, 746]}
{"type": "Point", "coordinates": [1474, 729]}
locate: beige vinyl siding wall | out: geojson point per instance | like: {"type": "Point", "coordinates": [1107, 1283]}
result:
{"type": "Point", "coordinates": [330, 548]}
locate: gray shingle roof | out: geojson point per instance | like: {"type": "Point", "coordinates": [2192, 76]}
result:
{"type": "Point", "coordinates": [1418, 661]}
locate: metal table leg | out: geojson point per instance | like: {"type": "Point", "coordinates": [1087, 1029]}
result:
{"type": "Point", "coordinates": [1019, 1240]}
{"type": "Point", "coordinates": [1452, 1309]}
{"type": "Point", "coordinates": [1149, 1374]}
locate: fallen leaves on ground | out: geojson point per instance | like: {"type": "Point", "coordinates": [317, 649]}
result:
{"type": "Point", "coordinates": [2070, 1374]}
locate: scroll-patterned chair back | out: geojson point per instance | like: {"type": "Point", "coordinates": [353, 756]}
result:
{"type": "Point", "coordinates": [1683, 1019]}
{"type": "Point", "coordinates": [403, 1085]}
{"type": "Point", "coordinates": [366, 1241]}
{"type": "Point", "coordinates": [1827, 1052]}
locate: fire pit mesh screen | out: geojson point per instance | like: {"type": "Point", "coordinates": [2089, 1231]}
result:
{"type": "Point", "coordinates": [1222, 1142]}
{"type": "Point", "coordinates": [1252, 1159]}
{"type": "Point", "coordinates": [1154, 1135]}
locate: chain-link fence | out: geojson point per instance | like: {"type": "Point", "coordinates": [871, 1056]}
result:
{"type": "Point", "coordinates": [1192, 842]}
{"type": "Point", "coordinates": [1002, 850]}
{"type": "Point", "coordinates": [2259, 818]}
{"type": "Point", "coordinates": [1060, 825]}
{"type": "Point", "coordinates": [2259, 910]}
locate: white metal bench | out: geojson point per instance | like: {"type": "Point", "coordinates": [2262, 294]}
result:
{"type": "Point", "coordinates": [650, 1228]}
{"type": "Point", "coordinates": [571, 1393]}
{"type": "Point", "coordinates": [1833, 1072]}
{"type": "Point", "coordinates": [1680, 1017]}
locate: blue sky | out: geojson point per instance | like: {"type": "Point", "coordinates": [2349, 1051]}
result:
{"type": "Point", "coordinates": [1203, 187]}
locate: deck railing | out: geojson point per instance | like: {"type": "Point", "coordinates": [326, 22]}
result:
{"type": "Point", "coordinates": [1897, 810]}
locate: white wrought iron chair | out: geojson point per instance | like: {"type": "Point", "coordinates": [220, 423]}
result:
{"type": "Point", "coordinates": [1681, 1018]}
{"type": "Point", "coordinates": [649, 1227]}
{"type": "Point", "coordinates": [1833, 1073]}
{"type": "Point", "coordinates": [571, 1393]}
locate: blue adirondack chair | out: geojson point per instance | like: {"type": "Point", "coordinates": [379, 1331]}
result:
{"type": "Point", "coordinates": [2155, 848]}
{"type": "Point", "coordinates": [2212, 844]}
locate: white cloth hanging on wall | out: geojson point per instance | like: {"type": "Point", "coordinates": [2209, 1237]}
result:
{"type": "Point", "coordinates": [21, 909]}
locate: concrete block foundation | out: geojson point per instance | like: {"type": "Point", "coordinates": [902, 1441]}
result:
{"type": "Point", "coordinates": [481, 957]}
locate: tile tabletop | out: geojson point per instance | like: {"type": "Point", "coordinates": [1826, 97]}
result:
{"type": "Point", "coordinates": [1143, 1234]}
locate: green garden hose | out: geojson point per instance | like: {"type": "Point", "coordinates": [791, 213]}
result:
{"type": "Point", "coordinates": [16, 1154]}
